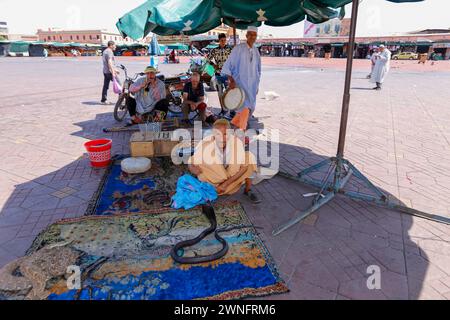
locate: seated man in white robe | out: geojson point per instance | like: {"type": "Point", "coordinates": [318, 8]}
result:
{"type": "Point", "coordinates": [221, 160]}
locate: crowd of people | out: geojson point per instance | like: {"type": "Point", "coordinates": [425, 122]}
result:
{"type": "Point", "coordinates": [239, 67]}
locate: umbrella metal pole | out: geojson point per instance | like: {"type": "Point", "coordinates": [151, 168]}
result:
{"type": "Point", "coordinates": [341, 174]}
{"type": "Point", "coordinates": [343, 169]}
{"type": "Point", "coordinates": [348, 80]}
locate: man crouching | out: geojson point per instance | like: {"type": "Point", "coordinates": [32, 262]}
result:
{"type": "Point", "coordinates": [221, 160]}
{"type": "Point", "coordinates": [150, 94]}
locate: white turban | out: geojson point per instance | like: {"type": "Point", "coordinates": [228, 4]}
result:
{"type": "Point", "coordinates": [252, 29]}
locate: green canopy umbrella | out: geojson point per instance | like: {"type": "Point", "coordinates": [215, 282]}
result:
{"type": "Point", "coordinates": [173, 17]}
{"type": "Point", "coordinates": [170, 17]}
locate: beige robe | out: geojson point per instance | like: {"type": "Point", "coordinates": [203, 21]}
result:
{"type": "Point", "coordinates": [210, 159]}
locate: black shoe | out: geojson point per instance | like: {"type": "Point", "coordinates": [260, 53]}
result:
{"type": "Point", "coordinates": [252, 196]}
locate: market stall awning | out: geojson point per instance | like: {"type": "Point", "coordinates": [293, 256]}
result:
{"type": "Point", "coordinates": [136, 45]}
{"type": "Point", "coordinates": [212, 46]}
{"type": "Point", "coordinates": [19, 46]}
{"type": "Point", "coordinates": [59, 44]}
{"type": "Point", "coordinates": [171, 17]}
{"type": "Point", "coordinates": [93, 45]}
{"type": "Point", "coordinates": [177, 46]}
{"type": "Point", "coordinates": [201, 37]}
{"type": "Point", "coordinates": [77, 45]}
{"type": "Point", "coordinates": [38, 43]}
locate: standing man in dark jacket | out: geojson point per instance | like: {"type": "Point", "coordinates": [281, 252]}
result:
{"type": "Point", "coordinates": [109, 69]}
{"type": "Point", "coordinates": [219, 56]}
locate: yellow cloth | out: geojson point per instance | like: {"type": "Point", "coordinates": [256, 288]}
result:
{"type": "Point", "coordinates": [209, 158]}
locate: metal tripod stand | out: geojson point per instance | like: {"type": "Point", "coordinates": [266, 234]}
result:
{"type": "Point", "coordinates": [340, 169]}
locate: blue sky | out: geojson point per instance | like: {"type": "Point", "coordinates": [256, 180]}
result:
{"type": "Point", "coordinates": [377, 17]}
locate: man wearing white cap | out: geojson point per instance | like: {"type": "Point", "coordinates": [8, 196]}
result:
{"type": "Point", "coordinates": [373, 60]}
{"type": "Point", "coordinates": [243, 69]}
{"type": "Point", "coordinates": [381, 68]}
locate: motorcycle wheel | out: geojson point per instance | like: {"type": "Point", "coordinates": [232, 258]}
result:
{"type": "Point", "coordinates": [175, 105]}
{"type": "Point", "coordinates": [120, 110]}
{"type": "Point", "coordinates": [213, 84]}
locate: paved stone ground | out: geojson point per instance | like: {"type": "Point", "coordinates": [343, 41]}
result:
{"type": "Point", "coordinates": [399, 137]}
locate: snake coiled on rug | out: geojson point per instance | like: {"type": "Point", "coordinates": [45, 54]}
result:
{"type": "Point", "coordinates": [207, 210]}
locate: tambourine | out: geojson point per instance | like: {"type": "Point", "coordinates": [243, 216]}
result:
{"type": "Point", "coordinates": [233, 99]}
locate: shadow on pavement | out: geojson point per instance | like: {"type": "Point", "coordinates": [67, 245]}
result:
{"type": "Point", "coordinates": [324, 257]}
{"type": "Point", "coordinates": [360, 88]}
{"type": "Point", "coordinates": [91, 103]}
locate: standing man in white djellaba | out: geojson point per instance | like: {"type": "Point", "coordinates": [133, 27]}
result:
{"type": "Point", "coordinates": [243, 69]}
{"type": "Point", "coordinates": [381, 68]}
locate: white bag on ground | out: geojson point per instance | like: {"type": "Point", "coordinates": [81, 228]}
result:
{"type": "Point", "coordinates": [136, 165]}
{"type": "Point", "coordinates": [271, 95]}
{"type": "Point", "coordinates": [262, 174]}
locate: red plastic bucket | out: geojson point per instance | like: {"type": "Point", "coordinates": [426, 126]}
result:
{"type": "Point", "coordinates": [99, 152]}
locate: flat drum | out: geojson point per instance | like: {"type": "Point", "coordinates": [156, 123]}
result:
{"type": "Point", "coordinates": [233, 99]}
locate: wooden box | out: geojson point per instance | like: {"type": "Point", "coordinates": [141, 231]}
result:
{"type": "Point", "coordinates": [152, 144]}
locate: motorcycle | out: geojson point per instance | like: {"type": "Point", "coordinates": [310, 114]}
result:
{"type": "Point", "coordinates": [174, 91]}
{"type": "Point", "coordinates": [206, 71]}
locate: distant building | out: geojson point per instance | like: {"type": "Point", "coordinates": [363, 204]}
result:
{"type": "Point", "coordinates": [417, 41]}
{"type": "Point", "coordinates": [23, 37]}
{"type": "Point", "coordinates": [220, 29]}
{"type": "Point", "coordinates": [330, 28]}
{"type": "Point", "coordinates": [96, 36]}
{"type": "Point", "coordinates": [345, 27]}
{"type": "Point", "coordinates": [430, 31]}
{"type": "Point", "coordinates": [173, 39]}
{"type": "Point", "coordinates": [3, 30]}
{"type": "Point", "coordinates": [202, 40]}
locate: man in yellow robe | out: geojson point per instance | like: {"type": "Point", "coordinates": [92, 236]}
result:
{"type": "Point", "coordinates": [221, 160]}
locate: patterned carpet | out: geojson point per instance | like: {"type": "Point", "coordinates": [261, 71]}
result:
{"type": "Point", "coordinates": [127, 257]}
{"type": "Point", "coordinates": [121, 193]}
{"type": "Point", "coordinates": [122, 248]}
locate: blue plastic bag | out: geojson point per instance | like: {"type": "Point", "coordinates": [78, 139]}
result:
{"type": "Point", "coordinates": [191, 192]}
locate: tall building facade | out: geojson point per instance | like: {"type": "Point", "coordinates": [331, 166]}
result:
{"type": "Point", "coordinates": [3, 30]}
{"type": "Point", "coordinates": [100, 37]}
